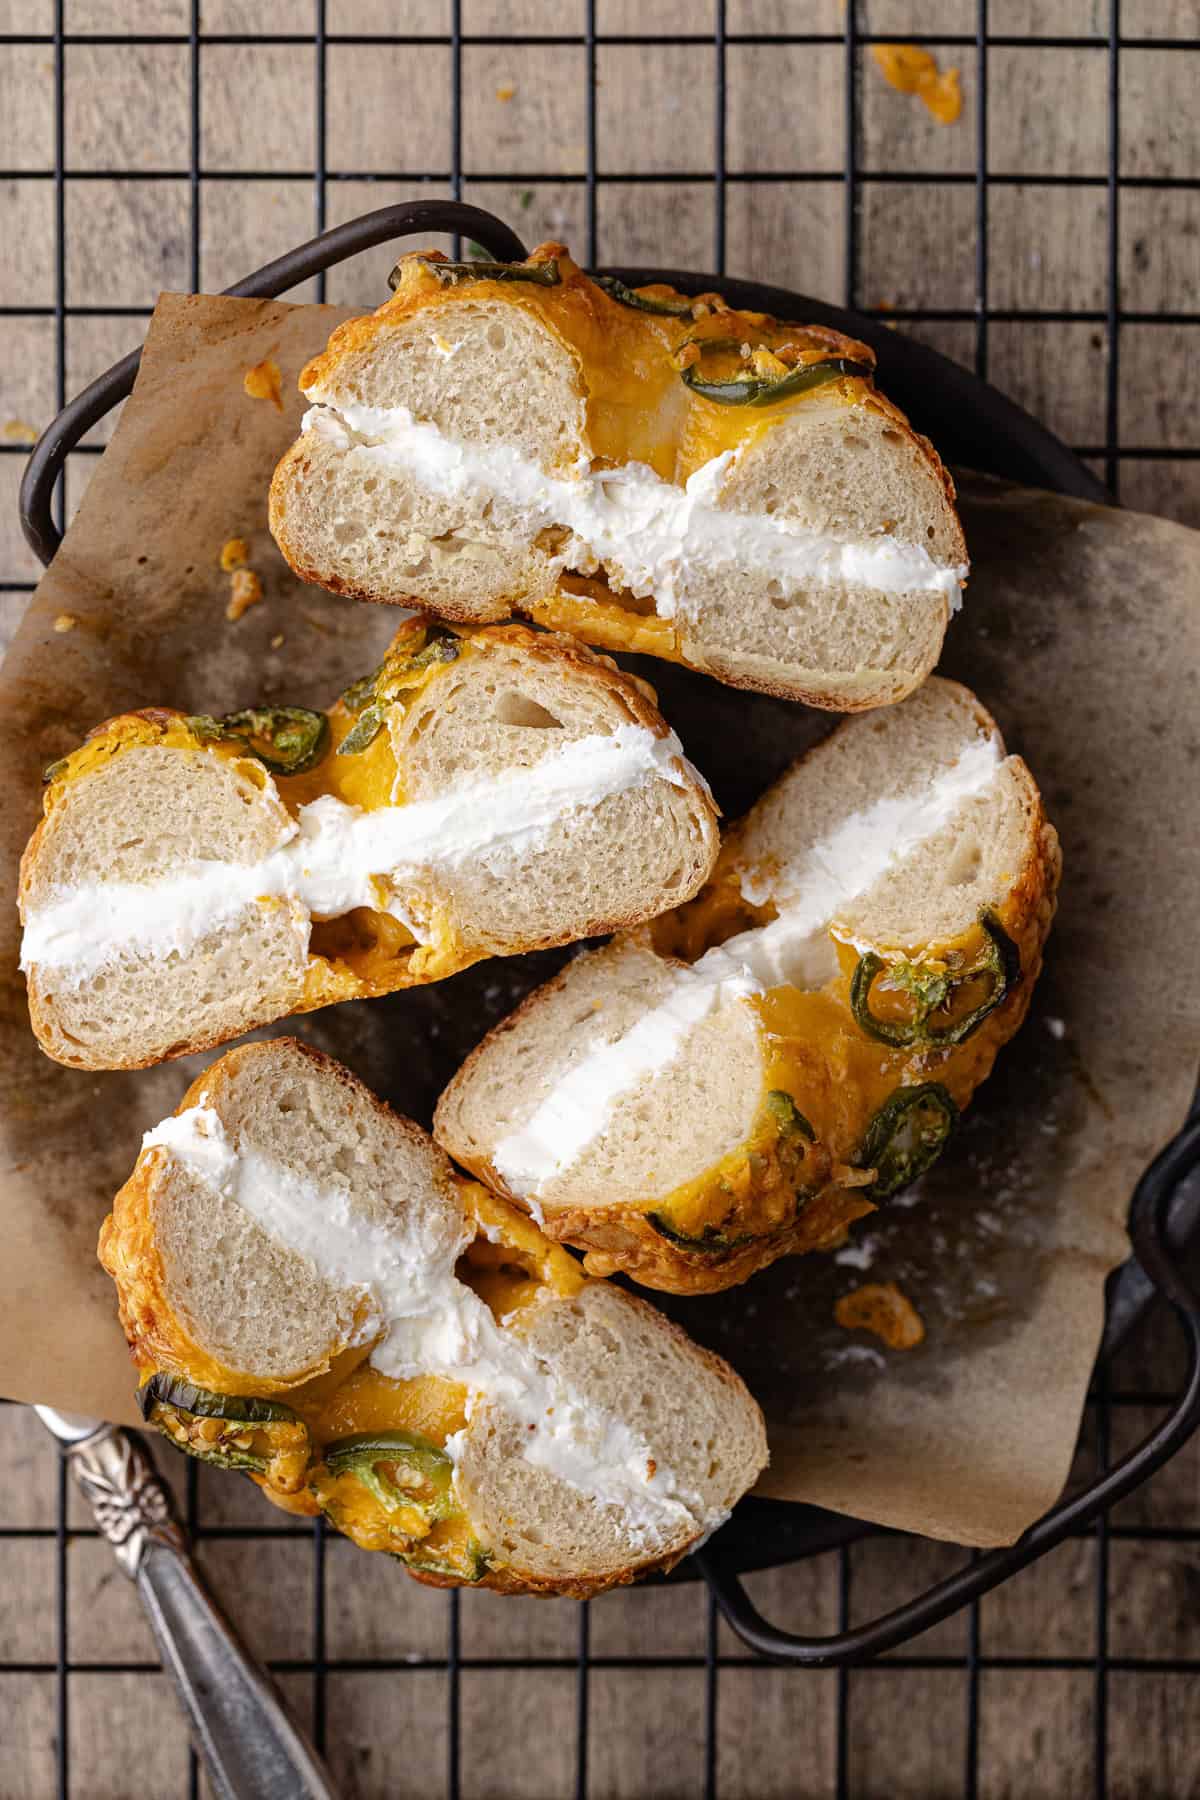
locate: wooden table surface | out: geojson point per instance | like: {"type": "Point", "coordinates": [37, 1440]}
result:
{"type": "Point", "coordinates": [524, 135]}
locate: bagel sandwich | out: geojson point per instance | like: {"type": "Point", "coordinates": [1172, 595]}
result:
{"type": "Point", "coordinates": [314, 1297]}
{"type": "Point", "coordinates": [645, 470]}
{"type": "Point", "coordinates": [485, 791]}
{"type": "Point", "coordinates": [759, 1068]}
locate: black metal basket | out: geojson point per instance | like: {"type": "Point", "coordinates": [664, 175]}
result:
{"type": "Point", "coordinates": [974, 424]}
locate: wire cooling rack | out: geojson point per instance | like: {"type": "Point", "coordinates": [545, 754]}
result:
{"type": "Point", "coordinates": [972, 1666]}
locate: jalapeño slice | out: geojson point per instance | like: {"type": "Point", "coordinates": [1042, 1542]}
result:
{"type": "Point", "coordinates": [240, 1416]}
{"type": "Point", "coordinates": [787, 1114]}
{"type": "Point", "coordinates": [400, 1468]}
{"type": "Point", "coordinates": [370, 696]}
{"type": "Point", "coordinates": [757, 390]}
{"type": "Point", "coordinates": [906, 1136]}
{"type": "Point", "coordinates": [472, 1567]}
{"type": "Point", "coordinates": [712, 1241]}
{"type": "Point", "coordinates": [542, 274]}
{"type": "Point", "coordinates": [288, 740]}
{"type": "Point", "coordinates": [999, 961]}
{"type": "Point", "coordinates": [680, 308]}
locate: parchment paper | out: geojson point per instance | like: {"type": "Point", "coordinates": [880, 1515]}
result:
{"type": "Point", "coordinates": [1080, 630]}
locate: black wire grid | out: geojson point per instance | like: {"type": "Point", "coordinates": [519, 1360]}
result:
{"type": "Point", "coordinates": [1157, 1246]}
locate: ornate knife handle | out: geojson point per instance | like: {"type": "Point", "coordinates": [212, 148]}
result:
{"type": "Point", "coordinates": [250, 1746]}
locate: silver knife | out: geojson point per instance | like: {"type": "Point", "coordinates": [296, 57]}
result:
{"type": "Point", "coordinates": [250, 1747]}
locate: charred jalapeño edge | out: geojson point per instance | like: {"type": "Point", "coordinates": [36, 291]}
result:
{"type": "Point", "coordinates": [542, 274]}
{"type": "Point", "coordinates": [680, 308]}
{"type": "Point", "coordinates": [999, 959]}
{"type": "Point", "coordinates": [370, 696]}
{"type": "Point", "coordinates": [712, 1241]}
{"type": "Point", "coordinates": [757, 390]}
{"type": "Point", "coordinates": [883, 1148]}
{"type": "Point", "coordinates": [288, 740]}
{"type": "Point", "coordinates": [240, 1412]}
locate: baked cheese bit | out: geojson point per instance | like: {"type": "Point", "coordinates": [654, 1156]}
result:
{"type": "Point", "coordinates": [485, 791]}
{"type": "Point", "coordinates": [647, 471]}
{"type": "Point", "coordinates": [313, 1295]}
{"type": "Point", "coordinates": [754, 1071]}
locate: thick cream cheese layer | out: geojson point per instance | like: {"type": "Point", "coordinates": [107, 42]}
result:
{"type": "Point", "coordinates": [428, 1322]}
{"type": "Point", "coordinates": [793, 949]}
{"type": "Point", "coordinates": [335, 857]}
{"type": "Point", "coordinates": [649, 533]}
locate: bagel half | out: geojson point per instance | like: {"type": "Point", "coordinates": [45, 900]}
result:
{"type": "Point", "coordinates": [312, 1295]}
{"type": "Point", "coordinates": [758, 1069]}
{"type": "Point", "coordinates": [644, 470]}
{"type": "Point", "coordinates": [485, 791]}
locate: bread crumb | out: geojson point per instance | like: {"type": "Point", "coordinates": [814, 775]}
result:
{"type": "Point", "coordinates": [1057, 1029]}
{"type": "Point", "coordinates": [245, 591]}
{"type": "Point", "coordinates": [18, 431]}
{"type": "Point", "coordinates": [234, 553]}
{"type": "Point", "coordinates": [277, 641]}
{"type": "Point", "coordinates": [504, 94]}
{"type": "Point", "coordinates": [911, 70]}
{"type": "Point", "coordinates": [65, 622]}
{"type": "Point", "coordinates": [264, 382]}
{"type": "Point", "coordinates": [881, 1308]}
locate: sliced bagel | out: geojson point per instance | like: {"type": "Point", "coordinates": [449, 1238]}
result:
{"type": "Point", "coordinates": [312, 1295]}
{"type": "Point", "coordinates": [486, 791]}
{"type": "Point", "coordinates": [756, 1070]}
{"type": "Point", "coordinates": [751, 505]}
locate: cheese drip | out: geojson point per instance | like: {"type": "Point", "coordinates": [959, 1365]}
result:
{"type": "Point", "coordinates": [428, 1322]}
{"type": "Point", "coordinates": [793, 949]}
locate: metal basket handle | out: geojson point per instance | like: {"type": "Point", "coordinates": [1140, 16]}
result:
{"type": "Point", "coordinates": [1147, 1226]}
{"type": "Point", "coordinates": [414, 216]}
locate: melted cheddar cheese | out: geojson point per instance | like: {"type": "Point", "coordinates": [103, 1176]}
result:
{"type": "Point", "coordinates": [362, 953]}
{"type": "Point", "coordinates": [630, 361]}
{"type": "Point", "coordinates": [509, 1265]}
{"type": "Point", "coordinates": [816, 1053]}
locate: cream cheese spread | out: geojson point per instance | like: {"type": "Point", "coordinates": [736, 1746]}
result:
{"type": "Point", "coordinates": [334, 857]}
{"type": "Point", "coordinates": [648, 533]}
{"type": "Point", "coordinates": [794, 948]}
{"type": "Point", "coordinates": [428, 1322]}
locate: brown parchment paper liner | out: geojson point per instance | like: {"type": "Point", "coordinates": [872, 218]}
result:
{"type": "Point", "coordinates": [1079, 631]}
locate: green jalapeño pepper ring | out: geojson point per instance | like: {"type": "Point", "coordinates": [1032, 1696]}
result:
{"type": "Point", "coordinates": [906, 1136]}
{"type": "Point", "coordinates": [288, 740]}
{"type": "Point", "coordinates": [542, 274]}
{"type": "Point", "coordinates": [999, 961]}
{"type": "Point", "coordinates": [243, 1419]}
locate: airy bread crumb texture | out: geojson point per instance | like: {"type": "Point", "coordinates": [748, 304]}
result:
{"type": "Point", "coordinates": [937, 891]}
{"type": "Point", "coordinates": [479, 372]}
{"type": "Point", "coordinates": [253, 1305]}
{"type": "Point", "coordinates": [138, 819]}
{"type": "Point", "coordinates": [840, 471]}
{"type": "Point", "coordinates": [632, 855]}
{"type": "Point", "coordinates": [627, 1358]}
{"type": "Point", "coordinates": [672, 1127]}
